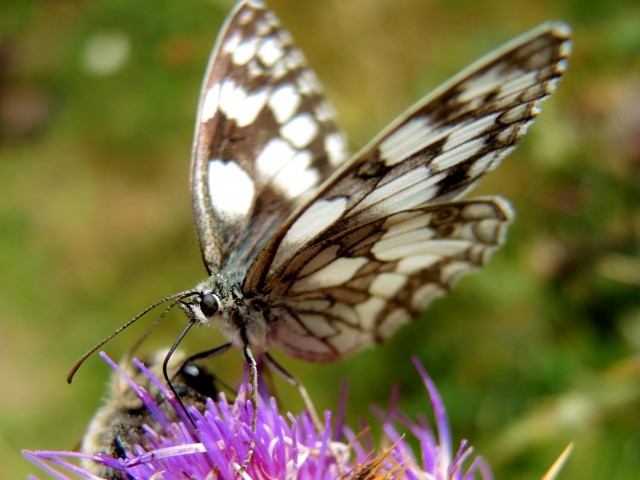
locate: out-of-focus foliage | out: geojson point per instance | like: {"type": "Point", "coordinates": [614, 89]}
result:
{"type": "Point", "coordinates": [97, 103]}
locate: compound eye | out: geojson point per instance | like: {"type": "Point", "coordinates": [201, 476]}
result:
{"type": "Point", "coordinates": [209, 304]}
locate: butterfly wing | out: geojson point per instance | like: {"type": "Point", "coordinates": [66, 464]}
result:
{"type": "Point", "coordinates": [433, 153]}
{"type": "Point", "coordinates": [356, 288]}
{"type": "Point", "coordinates": [265, 136]}
{"type": "Point", "coordinates": [329, 274]}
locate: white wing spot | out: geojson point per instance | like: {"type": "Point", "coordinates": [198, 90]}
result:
{"type": "Point", "coordinates": [512, 134]}
{"type": "Point", "coordinates": [270, 51]}
{"type": "Point", "coordinates": [412, 189]}
{"type": "Point", "coordinates": [238, 105]}
{"type": "Point", "coordinates": [479, 211]}
{"type": "Point", "coordinates": [246, 16]}
{"type": "Point", "coordinates": [322, 258]}
{"type": "Point", "coordinates": [394, 320]}
{"type": "Point", "coordinates": [512, 85]}
{"type": "Point", "coordinates": [416, 236]}
{"type": "Point", "coordinates": [232, 43]}
{"type": "Point", "coordinates": [410, 138]}
{"type": "Point", "coordinates": [415, 263]}
{"type": "Point", "coordinates": [338, 272]}
{"type": "Point", "coordinates": [308, 82]}
{"type": "Point", "coordinates": [387, 285]}
{"type": "Point", "coordinates": [345, 312]}
{"type": "Point", "coordinates": [251, 108]}
{"type": "Point", "coordinates": [274, 157]}
{"type": "Point", "coordinates": [312, 222]}
{"type": "Point", "coordinates": [484, 83]}
{"type": "Point", "coordinates": [484, 164]}
{"type": "Point", "coordinates": [286, 167]}
{"type": "Point", "coordinates": [562, 65]}
{"type": "Point", "coordinates": [564, 30]}
{"type": "Point", "coordinates": [453, 271]}
{"type": "Point", "coordinates": [279, 70]}
{"type": "Point", "coordinates": [388, 250]}
{"type": "Point", "coordinates": [416, 195]}
{"type": "Point", "coordinates": [335, 145]}
{"type": "Point", "coordinates": [317, 325]}
{"type": "Point", "coordinates": [450, 158]}
{"type": "Point", "coordinates": [232, 97]}
{"type": "Point", "coordinates": [473, 129]}
{"type": "Point", "coordinates": [230, 188]}
{"type": "Point", "coordinates": [518, 112]}
{"type": "Point", "coordinates": [296, 177]}
{"type": "Point", "coordinates": [425, 294]}
{"type": "Point", "coordinates": [271, 18]}
{"type": "Point", "coordinates": [285, 36]}
{"type": "Point", "coordinates": [349, 340]}
{"type": "Point", "coordinates": [488, 230]}
{"type": "Point", "coordinates": [262, 28]}
{"type": "Point", "coordinates": [300, 130]}
{"type": "Point", "coordinates": [368, 311]}
{"type": "Point", "coordinates": [324, 112]}
{"type": "Point", "coordinates": [254, 69]}
{"type": "Point", "coordinates": [401, 218]}
{"type": "Point", "coordinates": [211, 103]}
{"type": "Point", "coordinates": [245, 51]}
{"type": "Point", "coordinates": [294, 59]}
{"type": "Point", "coordinates": [395, 227]}
{"type": "Point", "coordinates": [284, 102]}
{"type": "Point", "coordinates": [414, 177]}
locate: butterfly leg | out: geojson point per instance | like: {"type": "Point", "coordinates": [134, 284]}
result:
{"type": "Point", "coordinates": [213, 352]}
{"type": "Point", "coordinates": [253, 399]}
{"type": "Point", "coordinates": [291, 380]}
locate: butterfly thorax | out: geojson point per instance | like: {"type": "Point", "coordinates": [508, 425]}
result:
{"type": "Point", "coordinates": [219, 301]}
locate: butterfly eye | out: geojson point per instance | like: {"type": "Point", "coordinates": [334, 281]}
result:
{"type": "Point", "coordinates": [209, 304]}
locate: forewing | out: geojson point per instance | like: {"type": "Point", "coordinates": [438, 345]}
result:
{"type": "Point", "coordinates": [357, 288]}
{"type": "Point", "coordinates": [265, 137]}
{"type": "Point", "coordinates": [432, 154]}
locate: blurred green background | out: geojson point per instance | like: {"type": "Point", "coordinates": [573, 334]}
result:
{"type": "Point", "coordinates": [97, 104]}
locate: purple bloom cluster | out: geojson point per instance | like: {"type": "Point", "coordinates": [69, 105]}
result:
{"type": "Point", "coordinates": [213, 444]}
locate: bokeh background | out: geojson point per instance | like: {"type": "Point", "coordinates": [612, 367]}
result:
{"type": "Point", "coordinates": [97, 104]}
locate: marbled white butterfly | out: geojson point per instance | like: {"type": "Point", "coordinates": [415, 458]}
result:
{"type": "Point", "coordinates": [321, 254]}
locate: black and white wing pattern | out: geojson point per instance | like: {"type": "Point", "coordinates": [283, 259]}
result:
{"type": "Point", "coordinates": [385, 233]}
{"type": "Point", "coordinates": [356, 288]}
{"type": "Point", "coordinates": [265, 137]}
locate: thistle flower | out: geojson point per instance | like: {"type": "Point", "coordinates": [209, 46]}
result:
{"type": "Point", "coordinates": [212, 441]}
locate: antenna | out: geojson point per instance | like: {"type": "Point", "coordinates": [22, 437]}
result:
{"type": "Point", "coordinates": [81, 360]}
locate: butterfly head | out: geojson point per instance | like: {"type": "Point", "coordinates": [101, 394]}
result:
{"type": "Point", "coordinates": [202, 307]}
{"type": "Point", "coordinates": [221, 302]}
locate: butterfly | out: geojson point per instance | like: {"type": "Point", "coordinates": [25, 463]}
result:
{"type": "Point", "coordinates": [322, 254]}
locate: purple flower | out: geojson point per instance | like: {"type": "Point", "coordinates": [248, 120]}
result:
{"type": "Point", "coordinates": [215, 440]}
